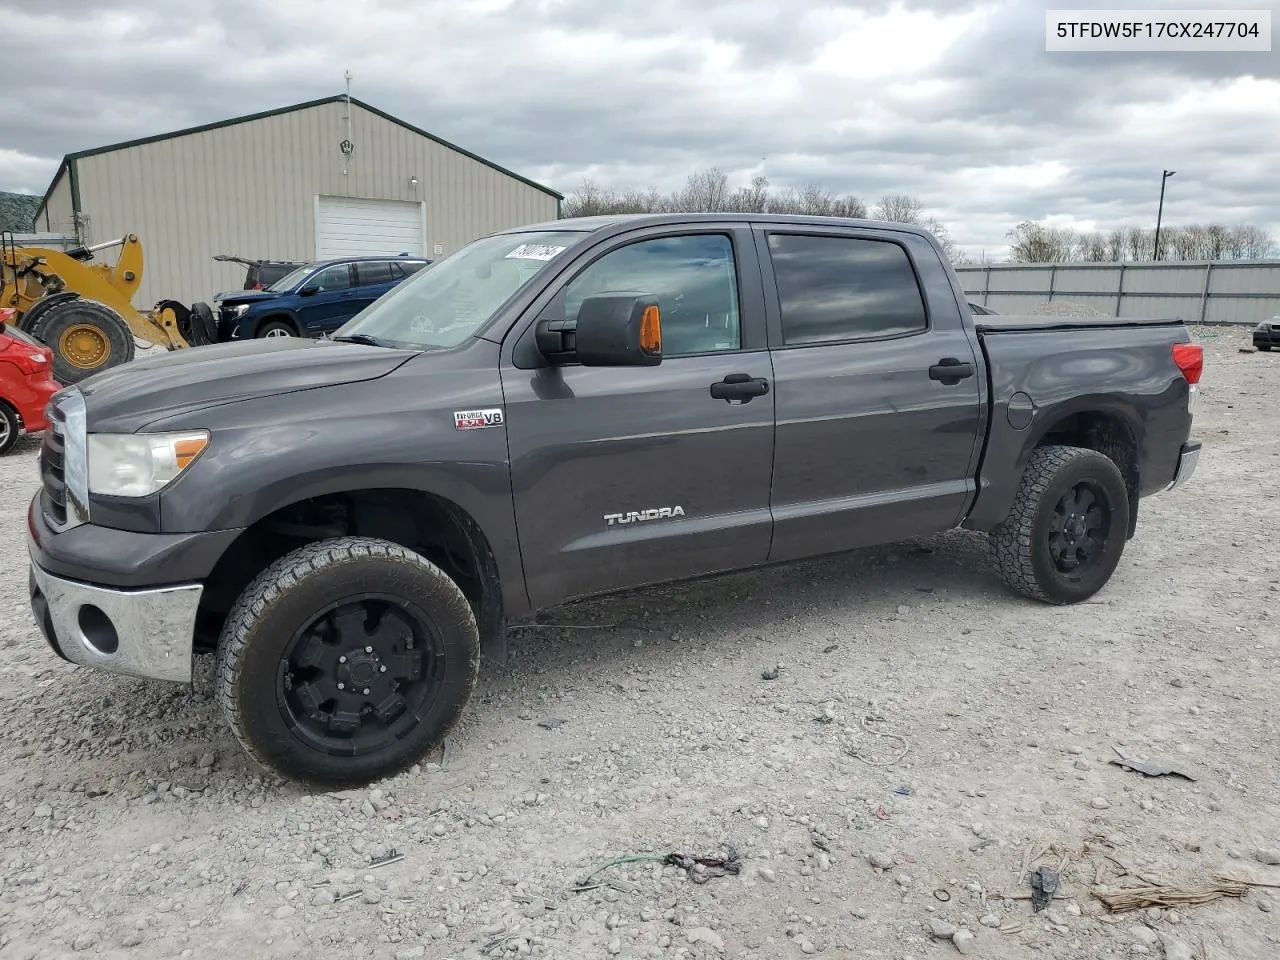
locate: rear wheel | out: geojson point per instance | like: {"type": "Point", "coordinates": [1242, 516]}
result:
{"type": "Point", "coordinates": [10, 428]}
{"type": "Point", "coordinates": [346, 661]}
{"type": "Point", "coordinates": [1264, 347]}
{"type": "Point", "coordinates": [275, 328]}
{"type": "Point", "coordinates": [1063, 538]}
{"type": "Point", "coordinates": [86, 337]}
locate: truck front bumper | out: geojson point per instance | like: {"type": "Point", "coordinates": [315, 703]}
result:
{"type": "Point", "coordinates": [140, 633]}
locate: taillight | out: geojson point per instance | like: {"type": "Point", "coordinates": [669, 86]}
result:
{"type": "Point", "coordinates": [29, 361]}
{"type": "Point", "coordinates": [1190, 360]}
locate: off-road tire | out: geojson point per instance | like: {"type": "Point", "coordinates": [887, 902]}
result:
{"type": "Point", "coordinates": [31, 319]}
{"type": "Point", "coordinates": [60, 318]}
{"type": "Point", "coordinates": [1019, 546]}
{"type": "Point", "coordinates": [10, 428]}
{"type": "Point", "coordinates": [283, 599]}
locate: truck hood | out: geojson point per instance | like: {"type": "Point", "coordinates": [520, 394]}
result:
{"type": "Point", "coordinates": [232, 297]}
{"type": "Point", "coordinates": [127, 398]}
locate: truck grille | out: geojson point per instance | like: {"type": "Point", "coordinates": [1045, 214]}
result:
{"type": "Point", "coordinates": [64, 467]}
{"type": "Point", "coordinates": [53, 475]}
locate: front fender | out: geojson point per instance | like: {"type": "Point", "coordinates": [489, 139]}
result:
{"type": "Point", "coordinates": [394, 432]}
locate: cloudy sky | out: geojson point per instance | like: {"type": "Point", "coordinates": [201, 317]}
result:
{"type": "Point", "coordinates": [954, 101]}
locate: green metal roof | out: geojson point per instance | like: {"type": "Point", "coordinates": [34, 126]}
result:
{"type": "Point", "coordinates": [204, 128]}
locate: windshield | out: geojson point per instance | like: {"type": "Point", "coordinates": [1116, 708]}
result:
{"type": "Point", "coordinates": [443, 306]}
{"type": "Point", "coordinates": [291, 279]}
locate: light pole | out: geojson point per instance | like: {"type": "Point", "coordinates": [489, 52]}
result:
{"type": "Point", "coordinates": [1160, 213]}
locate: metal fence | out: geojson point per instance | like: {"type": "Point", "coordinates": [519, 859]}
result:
{"type": "Point", "coordinates": [1222, 291]}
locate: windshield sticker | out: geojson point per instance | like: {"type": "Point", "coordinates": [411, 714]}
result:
{"type": "Point", "coordinates": [535, 251]}
{"type": "Point", "coordinates": [477, 419]}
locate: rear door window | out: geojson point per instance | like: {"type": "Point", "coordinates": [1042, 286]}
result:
{"type": "Point", "coordinates": [833, 288]}
{"type": "Point", "coordinates": [373, 272]}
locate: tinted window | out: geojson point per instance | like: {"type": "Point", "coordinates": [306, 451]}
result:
{"type": "Point", "coordinates": [693, 278]}
{"type": "Point", "coordinates": [333, 278]}
{"type": "Point", "coordinates": [269, 273]}
{"type": "Point", "coordinates": [844, 288]}
{"type": "Point", "coordinates": [374, 272]}
{"type": "Point", "coordinates": [405, 268]}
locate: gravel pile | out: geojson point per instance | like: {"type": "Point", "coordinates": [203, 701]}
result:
{"type": "Point", "coordinates": [1066, 308]}
{"type": "Point", "coordinates": [134, 827]}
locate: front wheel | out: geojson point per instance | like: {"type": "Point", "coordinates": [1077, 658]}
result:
{"type": "Point", "coordinates": [346, 661]}
{"type": "Point", "coordinates": [1063, 537]}
{"type": "Point", "coordinates": [10, 428]}
{"type": "Point", "coordinates": [275, 328]}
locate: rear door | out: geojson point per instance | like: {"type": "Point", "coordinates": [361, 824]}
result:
{"type": "Point", "coordinates": [373, 279]}
{"type": "Point", "coordinates": [877, 393]}
{"type": "Point", "coordinates": [629, 476]}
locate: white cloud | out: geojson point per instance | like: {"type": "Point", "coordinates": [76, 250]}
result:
{"type": "Point", "coordinates": [955, 101]}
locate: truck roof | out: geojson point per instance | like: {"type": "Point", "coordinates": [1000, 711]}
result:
{"type": "Point", "coordinates": [613, 220]}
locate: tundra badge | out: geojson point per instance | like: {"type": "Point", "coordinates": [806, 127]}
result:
{"type": "Point", "coordinates": [477, 419]}
{"type": "Point", "coordinates": [633, 516]}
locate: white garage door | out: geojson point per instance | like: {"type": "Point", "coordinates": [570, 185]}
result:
{"type": "Point", "coordinates": [352, 227]}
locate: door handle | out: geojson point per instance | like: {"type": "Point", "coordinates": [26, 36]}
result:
{"type": "Point", "coordinates": [739, 388]}
{"type": "Point", "coordinates": [950, 371]}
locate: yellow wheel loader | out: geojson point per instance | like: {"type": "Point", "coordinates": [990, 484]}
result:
{"type": "Point", "coordinates": [83, 310]}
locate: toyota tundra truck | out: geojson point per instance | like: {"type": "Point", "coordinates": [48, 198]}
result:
{"type": "Point", "coordinates": [565, 410]}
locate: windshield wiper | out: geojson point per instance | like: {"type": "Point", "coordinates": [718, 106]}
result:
{"type": "Point", "coordinates": [361, 338]}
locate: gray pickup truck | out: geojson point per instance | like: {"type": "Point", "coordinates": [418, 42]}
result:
{"type": "Point", "coordinates": [565, 410]}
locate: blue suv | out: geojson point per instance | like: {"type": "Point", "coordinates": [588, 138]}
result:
{"type": "Point", "coordinates": [312, 301]}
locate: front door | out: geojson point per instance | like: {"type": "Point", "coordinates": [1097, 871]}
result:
{"type": "Point", "coordinates": [877, 437]}
{"type": "Point", "coordinates": [636, 475]}
{"type": "Point", "coordinates": [332, 303]}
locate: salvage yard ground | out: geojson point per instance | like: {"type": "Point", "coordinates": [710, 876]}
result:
{"type": "Point", "coordinates": [133, 826]}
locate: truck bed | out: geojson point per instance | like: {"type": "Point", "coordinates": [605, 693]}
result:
{"type": "Point", "coordinates": [999, 323]}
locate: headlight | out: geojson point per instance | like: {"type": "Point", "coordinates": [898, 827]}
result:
{"type": "Point", "coordinates": [139, 464]}
{"type": "Point", "coordinates": [239, 310]}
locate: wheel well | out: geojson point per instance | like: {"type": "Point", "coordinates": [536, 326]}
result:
{"type": "Point", "coordinates": [284, 318]}
{"type": "Point", "coordinates": [1110, 435]}
{"type": "Point", "coordinates": [432, 526]}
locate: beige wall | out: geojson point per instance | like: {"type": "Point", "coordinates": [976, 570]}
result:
{"type": "Point", "coordinates": [250, 189]}
{"type": "Point", "coordinates": [58, 215]}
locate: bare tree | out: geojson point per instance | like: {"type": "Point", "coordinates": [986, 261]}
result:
{"type": "Point", "coordinates": [1252, 243]}
{"type": "Point", "coordinates": [1033, 242]}
{"type": "Point", "coordinates": [898, 208]}
{"type": "Point", "coordinates": [708, 191]}
{"type": "Point", "coordinates": [751, 199]}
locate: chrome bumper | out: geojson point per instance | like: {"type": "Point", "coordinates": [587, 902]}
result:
{"type": "Point", "coordinates": [139, 633]}
{"type": "Point", "coordinates": [1186, 464]}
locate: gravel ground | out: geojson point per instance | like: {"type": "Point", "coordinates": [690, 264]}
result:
{"type": "Point", "coordinates": [134, 827]}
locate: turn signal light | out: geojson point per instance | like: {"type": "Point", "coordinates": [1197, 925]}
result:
{"type": "Point", "coordinates": [187, 449]}
{"type": "Point", "coordinates": [651, 329]}
{"type": "Point", "coordinates": [1190, 360]}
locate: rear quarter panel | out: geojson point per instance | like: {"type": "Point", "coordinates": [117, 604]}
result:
{"type": "Point", "coordinates": [1042, 377]}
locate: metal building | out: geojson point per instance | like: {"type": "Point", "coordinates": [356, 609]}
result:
{"type": "Point", "coordinates": [327, 178]}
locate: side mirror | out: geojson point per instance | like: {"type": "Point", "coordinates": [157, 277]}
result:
{"type": "Point", "coordinates": [617, 330]}
{"type": "Point", "coordinates": [310, 290]}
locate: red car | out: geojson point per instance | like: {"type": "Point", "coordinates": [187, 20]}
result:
{"type": "Point", "coordinates": [26, 383]}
